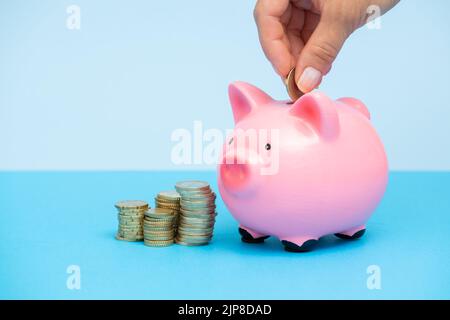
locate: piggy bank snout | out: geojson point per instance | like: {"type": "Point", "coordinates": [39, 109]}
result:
{"type": "Point", "coordinates": [238, 173]}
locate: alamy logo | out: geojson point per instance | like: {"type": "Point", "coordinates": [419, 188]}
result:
{"type": "Point", "coordinates": [74, 279]}
{"type": "Point", "coordinates": [374, 278]}
{"type": "Point", "coordinates": [257, 147]}
{"type": "Point", "coordinates": [374, 17]}
{"type": "Point", "coordinates": [73, 21]}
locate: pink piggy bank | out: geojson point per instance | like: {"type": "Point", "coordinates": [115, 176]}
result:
{"type": "Point", "coordinates": [302, 170]}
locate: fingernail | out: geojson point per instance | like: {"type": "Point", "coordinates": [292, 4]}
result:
{"type": "Point", "coordinates": [309, 79]}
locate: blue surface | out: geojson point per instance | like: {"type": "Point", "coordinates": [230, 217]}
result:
{"type": "Point", "coordinates": [64, 93]}
{"type": "Point", "coordinates": [49, 221]}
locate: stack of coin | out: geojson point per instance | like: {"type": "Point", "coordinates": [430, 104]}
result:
{"type": "Point", "coordinates": [197, 213]}
{"type": "Point", "coordinates": [159, 228]}
{"type": "Point", "coordinates": [131, 216]}
{"type": "Point", "coordinates": [169, 200]}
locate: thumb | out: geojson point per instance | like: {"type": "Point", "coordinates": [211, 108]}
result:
{"type": "Point", "coordinates": [319, 53]}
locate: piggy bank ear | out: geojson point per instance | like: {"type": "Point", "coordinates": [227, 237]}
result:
{"type": "Point", "coordinates": [357, 105]}
{"type": "Point", "coordinates": [244, 98]}
{"type": "Point", "coordinates": [319, 112]}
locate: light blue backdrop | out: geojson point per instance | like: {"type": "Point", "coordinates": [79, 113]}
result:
{"type": "Point", "coordinates": [109, 95]}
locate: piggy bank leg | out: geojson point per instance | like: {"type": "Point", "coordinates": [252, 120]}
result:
{"type": "Point", "coordinates": [299, 244]}
{"type": "Point", "coordinates": [352, 234]}
{"type": "Point", "coordinates": [250, 236]}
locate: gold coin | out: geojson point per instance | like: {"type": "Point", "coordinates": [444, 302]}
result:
{"type": "Point", "coordinates": [170, 231]}
{"type": "Point", "coordinates": [130, 218]}
{"type": "Point", "coordinates": [184, 243]}
{"type": "Point", "coordinates": [167, 199]}
{"type": "Point", "coordinates": [199, 207]}
{"type": "Point", "coordinates": [167, 203]}
{"type": "Point", "coordinates": [188, 230]}
{"type": "Point", "coordinates": [198, 215]}
{"type": "Point", "coordinates": [133, 210]}
{"type": "Point", "coordinates": [158, 225]}
{"type": "Point", "coordinates": [154, 228]}
{"type": "Point", "coordinates": [130, 222]}
{"type": "Point", "coordinates": [131, 204]}
{"type": "Point", "coordinates": [167, 206]}
{"type": "Point", "coordinates": [291, 87]}
{"type": "Point", "coordinates": [195, 220]}
{"type": "Point", "coordinates": [194, 240]}
{"type": "Point", "coordinates": [166, 237]}
{"type": "Point", "coordinates": [207, 218]}
{"type": "Point", "coordinates": [155, 212]}
{"type": "Point", "coordinates": [159, 218]}
{"type": "Point", "coordinates": [159, 232]}
{"type": "Point", "coordinates": [170, 195]}
{"type": "Point", "coordinates": [194, 237]}
{"type": "Point", "coordinates": [150, 235]}
{"type": "Point", "coordinates": [159, 229]}
{"type": "Point", "coordinates": [130, 231]}
{"type": "Point", "coordinates": [185, 228]}
{"type": "Point", "coordinates": [198, 201]}
{"type": "Point", "coordinates": [151, 221]}
{"type": "Point", "coordinates": [120, 237]}
{"type": "Point", "coordinates": [163, 243]}
{"type": "Point", "coordinates": [198, 212]}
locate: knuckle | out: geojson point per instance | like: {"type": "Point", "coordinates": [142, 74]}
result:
{"type": "Point", "coordinates": [325, 51]}
{"type": "Point", "coordinates": [257, 11]}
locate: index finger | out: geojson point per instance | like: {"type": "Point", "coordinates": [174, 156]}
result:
{"type": "Point", "coordinates": [272, 36]}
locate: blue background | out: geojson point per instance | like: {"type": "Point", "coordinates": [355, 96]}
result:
{"type": "Point", "coordinates": [77, 106]}
{"type": "Point", "coordinates": [137, 70]}
{"type": "Point", "coordinates": [52, 220]}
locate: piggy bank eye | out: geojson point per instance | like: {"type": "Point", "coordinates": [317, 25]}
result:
{"type": "Point", "coordinates": [268, 146]}
{"type": "Point", "coordinates": [231, 141]}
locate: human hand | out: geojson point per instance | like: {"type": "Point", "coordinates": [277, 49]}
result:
{"type": "Point", "coordinates": [308, 34]}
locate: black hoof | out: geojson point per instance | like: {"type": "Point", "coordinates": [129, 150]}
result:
{"type": "Point", "coordinates": [357, 235]}
{"type": "Point", "coordinates": [248, 238]}
{"type": "Point", "coordinates": [306, 246]}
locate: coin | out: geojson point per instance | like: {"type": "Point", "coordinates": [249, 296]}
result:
{"type": "Point", "coordinates": [167, 202]}
{"type": "Point", "coordinates": [195, 239]}
{"type": "Point", "coordinates": [159, 219]}
{"type": "Point", "coordinates": [130, 231]}
{"type": "Point", "coordinates": [200, 208]}
{"type": "Point", "coordinates": [130, 217]}
{"type": "Point", "coordinates": [119, 237]}
{"type": "Point", "coordinates": [161, 237]}
{"type": "Point", "coordinates": [131, 204]}
{"type": "Point", "coordinates": [166, 206]}
{"type": "Point", "coordinates": [170, 195]}
{"type": "Point", "coordinates": [159, 222]}
{"type": "Point", "coordinates": [159, 212]}
{"type": "Point", "coordinates": [158, 243]}
{"type": "Point", "coordinates": [130, 222]}
{"type": "Point", "coordinates": [159, 229]}
{"type": "Point", "coordinates": [192, 185]}
{"type": "Point", "coordinates": [150, 227]}
{"type": "Point", "coordinates": [191, 244]}
{"type": "Point", "coordinates": [201, 212]}
{"type": "Point", "coordinates": [197, 212]}
{"type": "Point", "coordinates": [195, 229]}
{"type": "Point", "coordinates": [162, 220]}
{"type": "Point", "coordinates": [205, 218]}
{"type": "Point", "coordinates": [291, 87]}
